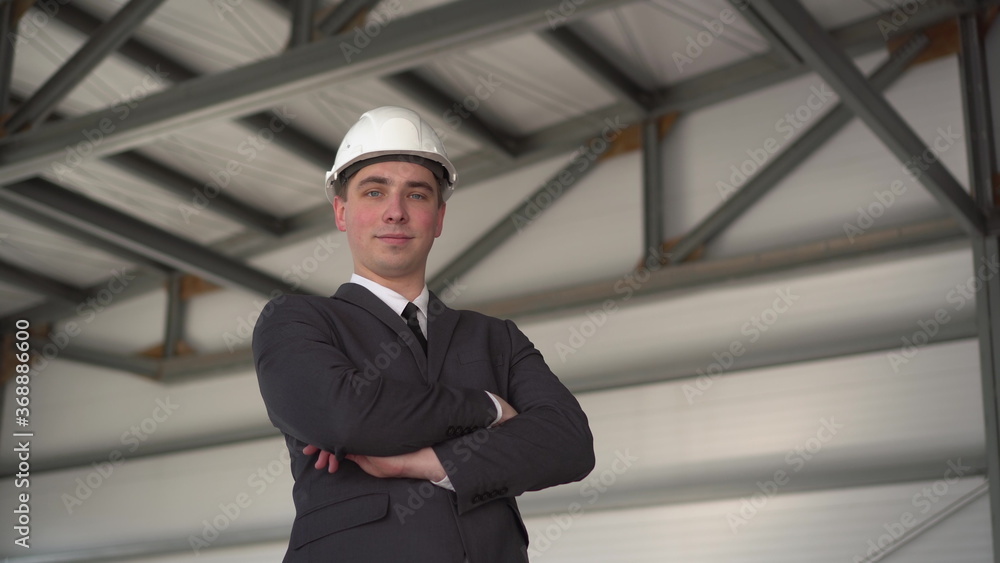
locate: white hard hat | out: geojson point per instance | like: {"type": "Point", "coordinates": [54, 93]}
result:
{"type": "Point", "coordinates": [391, 133]}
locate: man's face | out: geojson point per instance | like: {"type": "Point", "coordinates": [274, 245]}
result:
{"type": "Point", "coordinates": [391, 216]}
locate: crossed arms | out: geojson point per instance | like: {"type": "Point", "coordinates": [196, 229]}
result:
{"type": "Point", "coordinates": [400, 428]}
{"type": "Point", "coordinates": [421, 464]}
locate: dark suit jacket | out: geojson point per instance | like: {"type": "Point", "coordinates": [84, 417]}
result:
{"type": "Point", "coordinates": [345, 373]}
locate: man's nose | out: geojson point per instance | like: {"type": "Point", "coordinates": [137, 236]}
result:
{"type": "Point", "coordinates": [395, 211]}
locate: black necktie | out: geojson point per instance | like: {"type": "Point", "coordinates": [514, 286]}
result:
{"type": "Point", "coordinates": [410, 314]}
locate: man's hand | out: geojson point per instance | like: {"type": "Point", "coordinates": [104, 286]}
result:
{"type": "Point", "coordinates": [326, 459]}
{"type": "Point", "coordinates": [507, 412]}
{"type": "Point", "coordinates": [421, 464]}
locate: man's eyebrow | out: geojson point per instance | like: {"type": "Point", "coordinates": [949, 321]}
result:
{"type": "Point", "coordinates": [419, 184]}
{"type": "Point", "coordinates": [374, 180]}
{"type": "Point", "coordinates": [384, 181]}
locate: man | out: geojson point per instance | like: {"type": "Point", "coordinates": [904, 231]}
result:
{"type": "Point", "coordinates": [427, 426]}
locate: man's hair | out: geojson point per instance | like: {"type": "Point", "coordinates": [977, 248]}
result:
{"type": "Point", "coordinates": [340, 186]}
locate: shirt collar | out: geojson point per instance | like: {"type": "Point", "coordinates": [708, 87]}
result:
{"type": "Point", "coordinates": [394, 300]}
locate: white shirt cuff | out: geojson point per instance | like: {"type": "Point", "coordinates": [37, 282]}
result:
{"type": "Point", "coordinates": [496, 404]}
{"type": "Point", "coordinates": [444, 483]}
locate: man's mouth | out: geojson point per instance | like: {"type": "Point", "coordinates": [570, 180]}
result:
{"type": "Point", "coordinates": [394, 238]}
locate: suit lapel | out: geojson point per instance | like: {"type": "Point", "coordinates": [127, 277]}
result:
{"type": "Point", "coordinates": [441, 321]}
{"type": "Point", "coordinates": [360, 296]}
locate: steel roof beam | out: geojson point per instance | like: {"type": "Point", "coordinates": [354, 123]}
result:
{"type": "Point", "coordinates": [792, 157]}
{"type": "Point", "coordinates": [438, 102]}
{"type": "Point", "coordinates": [95, 297]}
{"type": "Point", "coordinates": [598, 66]}
{"type": "Point", "coordinates": [780, 51]}
{"type": "Point", "coordinates": [121, 229]}
{"type": "Point", "coordinates": [737, 79]}
{"type": "Point", "coordinates": [30, 213]}
{"type": "Point", "coordinates": [103, 42]}
{"type": "Point", "coordinates": [174, 181]}
{"type": "Point", "coordinates": [137, 51]}
{"type": "Point", "coordinates": [412, 40]}
{"type": "Point", "coordinates": [33, 282]}
{"type": "Point", "coordinates": [817, 49]}
{"type": "Point", "coordinates": [134, 364]}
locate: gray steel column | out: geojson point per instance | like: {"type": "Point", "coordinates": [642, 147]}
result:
{"type": "Point", "coordinates": [302, 15]}
{"type": "Point", "coordinates": [176, 310]}
{"type": "Point", "coordinates": [7, 30]}
{"type": "Point", "coordinates": [342, 15]}
{"type": "Point", "coordinates": [813, 43]}
{"type": "Point", "coordinates": [104, 42]}
{"type": "Point", "coordinates": [652, 187]}
{"type": "Point", "coordinates": [985, 249]}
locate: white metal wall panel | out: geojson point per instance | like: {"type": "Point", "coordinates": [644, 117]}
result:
{"type": "Point", "coordinates": [821, 527]}
{"type": "Point", "coordinates": [115, 325]}
{"type": "Point", "coordinates": [826, 307]}
{"type": "Point", "coordinates": [745, 428]}
{"type": "Point", "coordinates": [83, 411]}
{"type": "Point", "coordinates": [657, 334]}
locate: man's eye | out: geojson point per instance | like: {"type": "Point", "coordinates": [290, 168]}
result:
{"type": "Point", "coordinates": [418, 196]}
{"type": "Point", "coordinates": [372, 193]}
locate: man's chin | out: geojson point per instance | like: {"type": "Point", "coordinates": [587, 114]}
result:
{"type": "Point", "coordinates": [395, 271]}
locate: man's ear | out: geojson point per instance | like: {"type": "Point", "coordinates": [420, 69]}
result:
{"type": "Point", "coordinates": [440, 221]}
{"type": "Point", "coordinates": [339, 210]}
